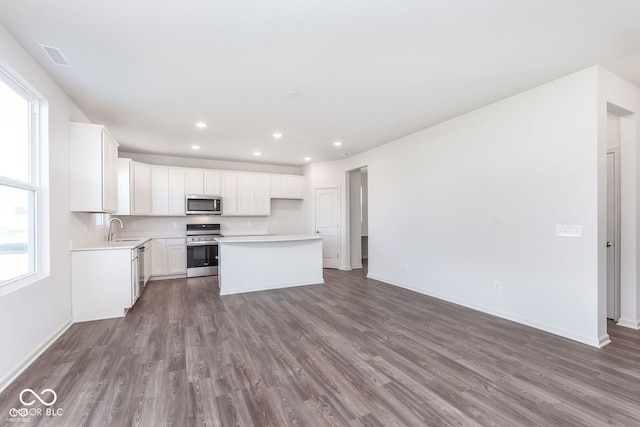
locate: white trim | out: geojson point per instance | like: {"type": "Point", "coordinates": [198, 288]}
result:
{"type": "Point", "coordinates": [508, 316]}
{"type": "Point", "coordinates": [627, 323]}
{"type": "Point", "coordinates": [260, 288]}
{"type": "Point", "coordinates": [30, 358]}
{"type": "Point", "coordinates": [604, 340]}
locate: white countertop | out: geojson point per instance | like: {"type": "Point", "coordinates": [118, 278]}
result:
{"type": "Point", "coordinates": [124, 242]}
{"type": "Point", "coordinates": [267, 238]}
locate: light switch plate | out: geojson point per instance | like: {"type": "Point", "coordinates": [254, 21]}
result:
{"type": "Point", "coordinates": [569, 230]}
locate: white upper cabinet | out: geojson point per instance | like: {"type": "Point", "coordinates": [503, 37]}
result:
{"type": "Point", "coordinates": [141, 189]}
{"type": "Point", "coordinates": [253, 195]}
{"type": "Point", "coordinates": [167, 191]}
{"type": "Point", "coordinates": [125, 186]}
{"type": "Point", "coordinates": [200, 181]}
{"type": "Point", "coordinates": [195, 181]}
{"type": "Point", "coordinates": [93, 168]}
{"type": "Point", "coordinates": [229, 193]}
{"type": "Point", "coordinates": [287, 187]}
{"type": "Point", "coordinates": [161, 190]}
{"type": "Point", "coordinates": [212, 183]}
{"type": "Point", "coordinates": [177, 193]}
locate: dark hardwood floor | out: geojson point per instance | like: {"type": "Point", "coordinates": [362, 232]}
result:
{"type": "Point", "coordinates": [353, 352]}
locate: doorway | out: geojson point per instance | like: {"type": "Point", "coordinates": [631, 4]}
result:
{"type": "Point", "coordinates": [327, 222]}
{"type": "Point", "coordinates": [358, 217]}
{"type": "Point", "coordinates": [613, 228]}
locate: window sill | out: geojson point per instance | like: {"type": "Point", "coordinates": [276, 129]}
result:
{"type": "Point", "coordinates": [21, 282]}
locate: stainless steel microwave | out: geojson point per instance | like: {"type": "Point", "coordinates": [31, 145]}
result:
{"type": "Point", "coordinates": [201, 204]}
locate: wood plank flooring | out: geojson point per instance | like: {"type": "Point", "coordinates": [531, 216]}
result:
{"type": "Point", "coordinates": [353, 352]}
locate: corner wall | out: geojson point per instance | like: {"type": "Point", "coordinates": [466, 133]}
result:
{"type": "Point", "coordinates": [32, 316]}
{"type": "Point", "coordinates": [457, 207]}
{"type": "Point", "coordinates": [623, 98]}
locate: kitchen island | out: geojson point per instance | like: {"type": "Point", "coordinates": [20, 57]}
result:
{"type": "Point", "coordinates": [256, 263]}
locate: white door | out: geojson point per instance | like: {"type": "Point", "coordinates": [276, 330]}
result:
{"type": "Point", "coordinates": [328, 225]}
{"type": "Point", "coordinates": [613, 290]}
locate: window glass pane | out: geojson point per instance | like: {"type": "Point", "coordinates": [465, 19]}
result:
{"type": "Point", "coordinates": [14, 135]}
{"type": "Point", "coordinates": [16, 233]}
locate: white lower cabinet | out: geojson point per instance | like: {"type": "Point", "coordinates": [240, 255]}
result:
{"type": "Point", "coordinates": [103, 283]}
{"type": "Point", "coordinates": [168, 257]}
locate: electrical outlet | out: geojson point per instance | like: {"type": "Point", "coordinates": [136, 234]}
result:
{"type": "Point", "coordinates": [497, 286]}
{"type": "Point", "coordinates": [133, 225]}
{"type": "Point", "coordinates": [175, 224]}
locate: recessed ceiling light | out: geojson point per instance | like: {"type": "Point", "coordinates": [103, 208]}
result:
{"type": "Point", "coordinates": [277, 135]}
{"type": "Point", "coordinates": [257, 153]}
{"type": "Point", "coordinates": [195, 147]}
{"type": "Point", "coordinates": [293, 94]}
{"type": "Point", "coordinates": [337, 143]}
{"type": "Point", "coordinates": [201, 125]}
{"type": "Point", "coordinates": [306, 159]}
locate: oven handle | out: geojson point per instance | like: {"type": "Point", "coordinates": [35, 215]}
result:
{"type": "Point", "coordinates": [202, 244]}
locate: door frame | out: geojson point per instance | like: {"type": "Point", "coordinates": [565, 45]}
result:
{"type": "Point", "coordinates": [617, 234]}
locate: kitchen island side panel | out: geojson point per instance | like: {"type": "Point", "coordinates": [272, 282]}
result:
{"type": "Point", "coordinates": [255, 266]}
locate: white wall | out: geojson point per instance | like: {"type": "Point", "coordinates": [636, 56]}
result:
{"type": "Point", "coordinates": [475, 200]}
{"type": "Point", "coordinates": [31, 316]}
{"type": "Point", "coordinates": [623, 98]}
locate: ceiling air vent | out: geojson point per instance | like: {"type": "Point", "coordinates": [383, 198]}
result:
{"type": "Point", "coordinates": [56, 55]}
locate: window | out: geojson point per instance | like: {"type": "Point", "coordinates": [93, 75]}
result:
{"type": "Point", "coordinates": [19, 177]}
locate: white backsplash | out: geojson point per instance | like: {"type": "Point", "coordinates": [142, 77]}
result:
{"type": "Point", "coordinates": [286, 217]}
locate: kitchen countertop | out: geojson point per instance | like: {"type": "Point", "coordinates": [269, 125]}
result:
{"type": "Point", "coordinates": [124, 242]}
{"type": "Point", "coordinates": [267, 238]}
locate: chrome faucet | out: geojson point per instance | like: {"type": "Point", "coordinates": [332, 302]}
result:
{"type": "Point", "coordinates": [110, 238]}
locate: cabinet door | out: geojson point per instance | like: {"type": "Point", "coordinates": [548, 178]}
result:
{"type": "Point", "coordinates": [176, 259]}
{"type": "Point", "coordinates": [246, 194]}
{"type": "Point", "coordinates": [177, 192]}
{"type": "Point", "coordinates": [212, 183]}
{"type": "Point", "coordinates": [124, 187]}
{"type": "Point", "coordinates": [159, 190]}
{"type": "Point", "coordinates": [279, 186]}
{"type": "Point", "coordinates": [158, 257]}
{"type": "Point", "coordinates": [295, 187]}
{"type": "Point", "coordinates": [195, 181]}
{"type": "Point", "coordinates": [141, 189]}
{"type": "Point", "coordinates": [228, 192]}
{"type": "Point", "coordinates": [261, 195]}
{"type": "Point", "coordinates": [109, 173]}
{"type": "Point", "coordinates": [287, 187]}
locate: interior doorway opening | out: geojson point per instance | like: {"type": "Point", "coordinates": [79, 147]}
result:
{"type": "Point", "coordinates": [358, 208]}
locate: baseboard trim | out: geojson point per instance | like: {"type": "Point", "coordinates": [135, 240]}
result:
{"type": "Point", "coordinates": [593, 342]}
{"type": "Point", "coordinates": [29, 359]}
{"type": "Point", "coordinates": [633, 324]}
{"type": "Point", "coordinates": [604, 340]}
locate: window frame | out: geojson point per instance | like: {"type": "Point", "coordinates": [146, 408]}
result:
{"type": "Point", "coordinates": [38, 254]}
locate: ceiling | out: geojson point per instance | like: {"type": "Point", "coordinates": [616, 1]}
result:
{"type": "Point", "coordinates": [364, 72]}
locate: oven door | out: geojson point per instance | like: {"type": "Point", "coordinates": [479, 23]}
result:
{"type": "Point", "coordinates": [202, 259]}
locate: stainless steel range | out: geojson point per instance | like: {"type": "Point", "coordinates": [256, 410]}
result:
{"type": "Point", "coordinates": [202, 249]}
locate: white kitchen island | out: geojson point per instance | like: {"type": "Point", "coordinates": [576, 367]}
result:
{"type": "Point", "coordinates": [256, 263]}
